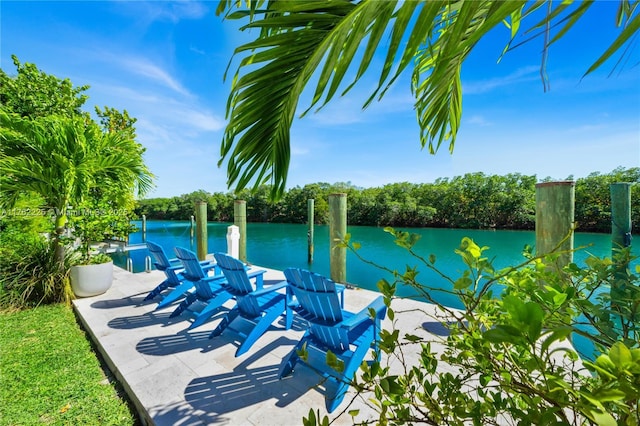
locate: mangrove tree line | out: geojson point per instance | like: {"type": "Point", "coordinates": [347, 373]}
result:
{"type": "Point", "coordinates": [475, 200]}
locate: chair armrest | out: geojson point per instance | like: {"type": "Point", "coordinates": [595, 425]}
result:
{"type": "Point", "coordinates": [271, 288]}
{"type": "Point", "coordinates": [340, 290]}
{"type": "Point", "coordinates": [255, 273]}
{"type": "Point", "coordinates": [258, 275]}
{"type": "Point", "coordinates": [377, 305]}
{"type": "Point", "coordinates": [208, 266]}
{"type": "Point", "coordinates": [174, 268]}
{"type": "Point", "coordinates": [214, 278]}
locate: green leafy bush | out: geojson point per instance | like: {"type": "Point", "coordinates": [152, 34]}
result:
{"type": "Point", "coordinates": [509, 355]}
{"type": "Point", "coordinates": [29, 272]}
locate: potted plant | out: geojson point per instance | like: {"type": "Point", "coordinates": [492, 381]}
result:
{"type": "Point", "coordinates": [96, 220]}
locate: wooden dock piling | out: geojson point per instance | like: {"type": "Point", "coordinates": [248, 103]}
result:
{"type": "Point", "coordinates": [555, 210]}
{"type": "Point", "coordinates": [620, 238]}
{"type": "Point", "coordinates": [620, 215]}
{"type": "Point", "coordinates": [310, 219]}
{"type": "Point", "coordinates": [201, 229]}
{"type": "Point", "coordinates": [337, 232]}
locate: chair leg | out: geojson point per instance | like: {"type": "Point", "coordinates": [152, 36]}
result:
{"type": "Point", "coordinates": [259, 329]}
{"type": "Point", "coordinates": [156, 291]}
{"type": "Point", "coordinates": [191, 297]}
{"type": "Point", "coordinates": [175, 294]}
{"type": "Point", "coordinates": [228, 319]}
{"type": "Point", "coordinates": [351, 367]}
{"type": "Point", "coordinates": [289, 364]}
{"type": "Point", "coordinates": [210, 309]}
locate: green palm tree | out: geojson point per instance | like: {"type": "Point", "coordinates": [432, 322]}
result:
{"type": "Point", "coordinates": [62, 159]}
{"type": "Point", "coordinates": [327, 38]}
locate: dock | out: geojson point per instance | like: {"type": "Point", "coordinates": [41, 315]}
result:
{"type": "Point", "coordinates": [179, 377]}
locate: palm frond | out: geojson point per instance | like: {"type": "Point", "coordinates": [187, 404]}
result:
{"type": "Point", "coordinates": [263, 102]}
{"type": "Point", "coordinates": [331, 41]}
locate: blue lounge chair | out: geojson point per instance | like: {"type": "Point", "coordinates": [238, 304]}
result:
{"type": "Point", "coordinates": [348, 336]}
{"type": "Point", "coordinates": [172, 270]}
{"type": "Point", "coordinates": [208, 289]}
{"type": "Point", "coordinates": [259, 306]}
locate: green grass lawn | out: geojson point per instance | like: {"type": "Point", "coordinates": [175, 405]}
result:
{"type": "Point", "coordinates": [50, 375]}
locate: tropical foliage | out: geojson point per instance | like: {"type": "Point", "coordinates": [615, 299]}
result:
{"type": "Point", "coordinates": [325, 47]}
{"type": "Point", "coordinates": [33, 93]}
{"type": "Point", "coordinates": [30, 273]}
{"type": "Point", "coordinates": [54, 157]}
{"type": "Point", "coordinates": [474, 200]}
{"type": "Point", "coordinates": [62, 159]}
{"type": "Point", "coordinates": [507, 356]}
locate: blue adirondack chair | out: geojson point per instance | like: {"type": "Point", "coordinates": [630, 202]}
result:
{"type": "Point", "coordinates": [348, 336]}
{"type": "Point", "coordinates": [174, 280]}
{"type": "Point", "coordinates": [260, 306]}
{"type": "Point", "coordinates": [208, 289]}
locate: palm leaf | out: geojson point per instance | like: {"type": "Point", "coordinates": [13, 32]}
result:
{"type": "Point", "coordinates": [263, 101]}
{"type": "Point", "coordinates": [326, 40]}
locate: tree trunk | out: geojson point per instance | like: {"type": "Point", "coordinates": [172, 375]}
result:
{"type": "Point", "coordinates": [58, 245]}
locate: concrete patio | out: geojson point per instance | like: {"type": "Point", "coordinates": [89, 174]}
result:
{"type": "Point", "coordinates": [180, 377]}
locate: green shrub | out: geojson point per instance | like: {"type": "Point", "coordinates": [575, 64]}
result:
{"type": "Point", "coordinates": [509, 355]}
{"type": "Point", "coordinates": [29, 273]}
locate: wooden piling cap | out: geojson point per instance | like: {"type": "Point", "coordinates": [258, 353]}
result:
{"type": "Point", "coordinates": [557, 183]}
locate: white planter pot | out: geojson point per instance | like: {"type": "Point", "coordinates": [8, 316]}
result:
{"type": "Point", "coordinates": [91, 280]}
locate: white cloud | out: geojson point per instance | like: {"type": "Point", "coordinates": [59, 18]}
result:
{"type": "Point", "coordinates": [164, 110]}
{"type": "Point", "coordinates": [339, 111]}
{"type": "Point", "coordinates": [587, 128]}
{"type": "Point", "coordinates": [196, 50]}
{"type": "Point", "coordinates": [478, 120]}
{"type": "Point", "coordinates": [148, 12]}
{"type": "Point", "coordinates": [528, 73]}
{"type": "Point", "coordinates": [547, 152]}
{"type": "Point", "coordinates": [145, 68]}
{"type": "Point", "coordinates": [122, 92]}
{"type": "Point", "coordinates": [198, 120]}
{"type": "Point", "coordinates": [110, 62]}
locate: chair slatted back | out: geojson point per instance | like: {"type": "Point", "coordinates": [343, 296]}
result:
{"type": "Point", "coordinates": [162, 263]}
{"type": "Point", "coordinates": [193, 271]}
{"type": "Point", "coordinates": [160, 258]}
{"type": "Point", "coordinates": [235, 273]}
{"type": "Point", "coordinates": [238, 284]}
{"type": "Point", "coordinates": [319, 299]}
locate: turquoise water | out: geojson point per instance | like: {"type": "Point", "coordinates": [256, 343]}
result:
{"type": "Point", "coordinates": [279, 246]}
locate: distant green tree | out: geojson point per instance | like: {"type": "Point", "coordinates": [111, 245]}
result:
{"type": "Point", "coordinates": [474, 200]}
{"type": "Point", "coordinates": [259, 208]}
{"type": "Point", "coordinates": [153, 208]}
{"type": "Point", "coordinates": [33, 93]}
{"type": "Point", "coordinates": [593, 199]}
{"type": "Point", "coordinates": [112, 120]}
{"type": "Point", "coordinates": [363, 207]}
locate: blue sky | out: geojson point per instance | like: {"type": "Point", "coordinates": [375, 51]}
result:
{"type": "Point", "coordinates": [164, 63]}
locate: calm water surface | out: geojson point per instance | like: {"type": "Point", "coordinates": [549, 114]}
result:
{"type": "Point", "coordinates": [279, 246]}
